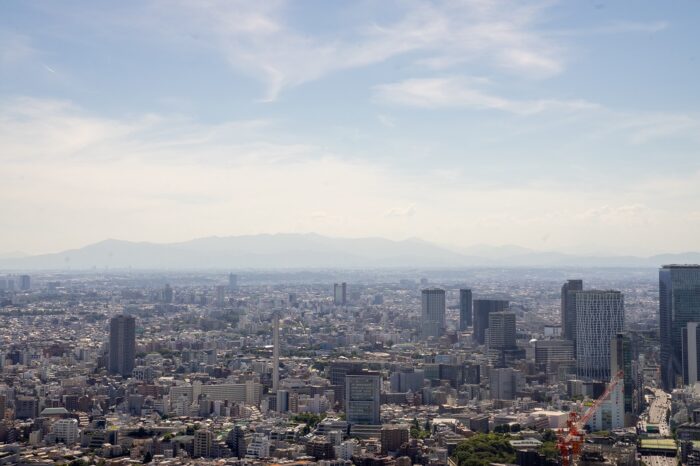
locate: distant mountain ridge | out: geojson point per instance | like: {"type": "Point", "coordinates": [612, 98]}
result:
{"type": "Point", "coordinates": [313, 251]}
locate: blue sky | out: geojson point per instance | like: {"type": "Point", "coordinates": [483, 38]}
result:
{"type": "Point", "coordinates": [570, 126]}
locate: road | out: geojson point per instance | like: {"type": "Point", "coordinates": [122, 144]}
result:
{"type": "Point", "coordinates": [657, 412]}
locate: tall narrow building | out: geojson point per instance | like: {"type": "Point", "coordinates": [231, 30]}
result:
{"type": "Point", "coordinates": [482, 309]}
{"type": "Point", "coordinates": [433, 312]}
{"type": "Point", "coordinates": [690, 337]}
{"type": "Point", "coordinates": [568, 308]}
{"type": "Point", "coordinates": [465, 309]}
{"type": "Point", "coordinates": [122, 345]}
{"type": "Point", "coordinates": [340, 294]}
{"type": "Point", "coordinates": [600, 316]}
{"type": "Point", "coordinates": [679, 303]}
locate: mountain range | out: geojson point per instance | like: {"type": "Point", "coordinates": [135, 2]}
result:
{"type": "Point", "coordinates": [312, 251]}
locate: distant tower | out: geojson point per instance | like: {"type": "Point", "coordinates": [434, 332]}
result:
{"type": "Point", "coordinates": [482, 309]}
{"type": "Point", "coordinates": [568, 309]}
{"type": "Point", "coordinates": [25, 282]}
{"type": "Point", "coordinates": [340, 294]}
{"type": "Point", "coordinates": [465, 309]}
{"type": "Point", "coordinates": [221, 296]}
{"type": "Point", "coordinates": [167, 294]}
{"type": "Point", "coordinates": [501, 330]}
{"type": "Point", "coordinates": [276, 351]}
{"type": "Point", "coordinates": [122, 345]}
{"type": "Point", "coordinates": [232, 282]}
{"type": "Point", "coordinates": [600, 316]}
{"type": "Point", "coordinates": [433, 312]}
{"type": "Point", "coordinates": [679, 303]}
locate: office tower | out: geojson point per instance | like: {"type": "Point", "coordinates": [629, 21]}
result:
{"type": "Point", "coordinates": [167, 294]}
{"type": "Point", "coordinates": [25, 282]}
{"type": "Point", "coordinates": [504, 383]}
{"type": "Point", "coordinates": [201, 447]}
{"type": "Point", "coordinates": [340, 294]}
{"type": "Point", "coordinates": [221, 296]}
{"type": "Point", "coordinates": [275, 351]}
{"type": "Point", "coordinates": [550, 355]}
{"type": "Point", "coordinates": [679, 303]}
{"type": "Point", "coordinates": [363, 398]}
{"type": "Point", "coordinates": [232, 282]}
{"type": "Point", "coordinates": [122, 345]}
{"type": "Point", "coordinates": [568, 309]}
{"type": "Point", "coordinates": [691, 344]}
{"type": "Point", "coordinates": [621, 360]}
{"type": "Point", "coordinates": [3, 406]}
{"type": "Point", "coordinates": [65, 431]}
{"type": "Point", "coordinates": [282, 401]}
{"type": "Point", "coordinates": [465, 309]}
{"type": "Point", "coordinates": [501, 330]}
{"type": "Point", "coordinates": [600, 316]}
{"type": "Point", "coordinates": [407, 379]}
{"type": "Point", "coordinates": [337, 372]}
{"type": "Point", "coordinates": [433, 312]}
{"type": "Point", "coordinates": [482, 309]}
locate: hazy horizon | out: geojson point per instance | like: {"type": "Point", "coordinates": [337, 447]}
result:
{"type": "Point", "coordinates": [554, 126]}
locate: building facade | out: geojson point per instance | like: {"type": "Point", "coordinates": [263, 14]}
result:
{"type": "Point", "coordinates": [122, 345]}
{"type": "Point", "coordinates": [465, 309]}
{"type": "Point", "coordinates": [433, 312]}
{"type": "Point", "coordinates": [600, 316]}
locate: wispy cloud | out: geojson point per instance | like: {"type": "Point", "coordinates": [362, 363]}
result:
{"type": "Point", "coordinates": [256, 38]}
{"type": "Point", "coordinates": [459, 92]}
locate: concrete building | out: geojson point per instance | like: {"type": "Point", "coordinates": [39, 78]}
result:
{"type": "Point", "coordinates": [363, 398]}
{"type": "Point", "coordinates": [340, 294]}
{"type": "Point", "coordinates": [568, 309]}
{"type": "Point", "coordinates": [482, 308]}
{"type": "Point", "coordinates": [465, 309]}
{"type": "Point", "coordinates": [122, 345]}
{"type": "Point", "coordinates": [433, 312]}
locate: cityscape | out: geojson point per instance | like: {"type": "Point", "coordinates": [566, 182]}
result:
{"type": "Point", "coordinates": [393, 367]}
{"type": "Point", "coordinates": [349, 233]}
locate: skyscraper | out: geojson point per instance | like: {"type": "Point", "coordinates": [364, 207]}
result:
{"type": "Point", "coordinates": [25, 282]}
{"type": "Point", "coordinates": [232, 282]}
{"type": "Point", "coordinates": [340, 294]}
{"type": "Point", "coordinates": [363, 397]}
{"type": "Point", "coordinates": [691, 361]}
{"type": "Point", "coordinates": [465, 309]}
{"type": "Point", "coordinates": [621, 360]}
{"type": "Point", "coordinates": [501, 330]}
{"type": "Point", "coordinates": [600, 316]}
{"type": "Point", "coordinates": [679, 303]}
{"type": "Point", "coordinates": [482, 309]}
{"type": "Point", "coordinates": [122, 344]}
{"type": "Point", "coordinates": [433, 312]}
{"type": "Point", "coordinates": [568, 308]}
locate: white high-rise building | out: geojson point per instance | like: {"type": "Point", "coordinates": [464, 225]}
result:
{"type": "Point", "coordinates": [66, 431]}
{"type": "Point", "coordinates": [600, 316]}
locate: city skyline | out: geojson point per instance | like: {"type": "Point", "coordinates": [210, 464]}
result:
{"type": "Point", "coordinates": [553, 126]}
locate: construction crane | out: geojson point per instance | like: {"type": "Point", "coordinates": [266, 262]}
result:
{"type": "Point", "coordinates": [570, 441]}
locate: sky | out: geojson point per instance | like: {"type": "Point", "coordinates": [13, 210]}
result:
{"type": "Point", "coordinates": [569, 126]}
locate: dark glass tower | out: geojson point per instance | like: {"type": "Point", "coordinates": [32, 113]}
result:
{"type": "Point", "coordinates": [122, 345]}
{"type": "Point", "coordinates": [679, 303]}
{"type": "Point", "coordinates": [465, 309]}
{"type": "Point", "coordinates": [482, 309]}
{"type": "Point", "coordinates": [568, 309]}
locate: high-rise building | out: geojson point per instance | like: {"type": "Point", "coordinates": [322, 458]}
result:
{"type": "Point", "coordinates": [340, 294]}
{"type": "Point", "coordinates": [465, 309]}
{"type": "Point", "coordinates": [363, 398]}
{"type": "Point", "coordinates": [221, 296]}
{"type": "Point", "coordinates": [482, 309]}
{"type": "Point", "coordinates": [66, 431]}
{"type": "Point", "coordinates": [232, 282]}
{"type": "Point", "coordinates": [25, 282]}
{"type": "Point", "coordinates": [621, 360]}
{"type": "Point", "coordinates": [691, 357]}
{"type": "Point", "coordinates": [236, 441]}
{"type": "Point", "coordinates": [393, 436]}
{"type": "Point", "coordinates": [407, 379]}
{"type": "Point", "coordinates": [600, 316]}
{"type": "Point", "coordinates": [337, 372]}
{"type": "Point", "coordinates": [550, 355]}
{"type": "Point", "coordinates": [679, 303]}
{"type": "Point", "coordinates": [167, 294]}
{"type": "Point", "coordinates": [433, 312]}
{"type": "Point", "coordinates": [201, 447]}
{"type": "Point", "coordinates": [122, 344]}
{"type": "Point", "coordinates": [501, 330]}
{"type": "Point", "coordinates": [568, 309]}
{"type": "Point", "coordinates": [504, 383]}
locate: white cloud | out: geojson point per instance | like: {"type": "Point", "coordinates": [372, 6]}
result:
{"type": "Point", "coordinates": [459, 92]}
{"type": "Point", "coordinates": [255, 38]}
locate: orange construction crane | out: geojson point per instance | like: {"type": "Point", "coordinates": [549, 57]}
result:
{"type": "Point", "coordinates": [570, 441]}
